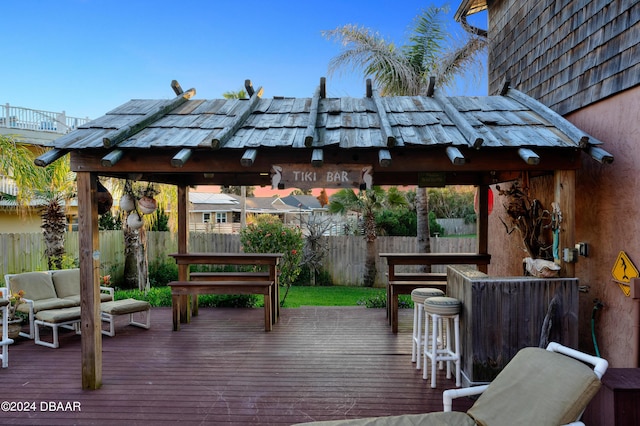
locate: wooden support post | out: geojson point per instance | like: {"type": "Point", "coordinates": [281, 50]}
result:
{"type": "Point", "coordinates": [483, 223]}
{"type": "Point", "coordinates": [565, 196]}
{"type": "Point", "coordinates": [89, 258]}
{"type": "Point", "coordinates": [183, 247]}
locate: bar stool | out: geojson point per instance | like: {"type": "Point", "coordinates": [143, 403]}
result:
{"type": "Point", "coordinates": [439, 312]}
{"type": "Point", "coordinates": [418, 296]}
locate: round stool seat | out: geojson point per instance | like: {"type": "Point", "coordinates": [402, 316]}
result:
{"type": "Point", "coordinates": [419, 295]}
{"type": "Point", "coordinates": [442, 305]}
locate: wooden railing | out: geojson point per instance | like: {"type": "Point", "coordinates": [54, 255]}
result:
{"type": "Point", "coordinates": [42, 121]}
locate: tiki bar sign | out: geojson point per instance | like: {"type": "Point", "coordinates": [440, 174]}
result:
{"type": "Point", "coordinates": [306, 176]}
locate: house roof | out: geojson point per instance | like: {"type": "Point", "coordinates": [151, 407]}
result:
{"type": "Point", "coordinates": [235, 142]}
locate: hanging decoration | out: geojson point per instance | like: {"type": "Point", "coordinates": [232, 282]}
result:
{"type": "Point", "coordinates": [104, 199]}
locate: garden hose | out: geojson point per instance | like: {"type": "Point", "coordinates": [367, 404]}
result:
{"type": "Point", "coordinates": [597, 304]}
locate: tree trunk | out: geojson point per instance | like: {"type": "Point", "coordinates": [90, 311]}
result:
{"type": "Point", "coordinates": [142, 261]}
{"type": "Point", "coordinates": [54, 224]}
{"type": "Point", "coordinates": [130, 259]}
{"type": "Point", "coordinates": [422, 210]}
{"type": "Point", "coordinates": [370, 261]}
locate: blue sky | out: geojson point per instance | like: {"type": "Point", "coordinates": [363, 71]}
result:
{"type": "Point", "coordinates": [87, 57]}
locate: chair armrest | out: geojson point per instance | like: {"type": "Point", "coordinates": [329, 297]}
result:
{"type": "Point", "coordinates": [3, 292]}
{"type": "Point", "coordinates": [107, 290]}
{"type": "Point", "coordinates": [450, 394]}
{"type": "Point", "coordinates": [599, 365]}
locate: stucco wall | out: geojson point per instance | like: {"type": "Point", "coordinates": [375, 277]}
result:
{"type": "Point", "coordinates": [606, 219]}
{"type": "Point", "coordinates": [608, 205]}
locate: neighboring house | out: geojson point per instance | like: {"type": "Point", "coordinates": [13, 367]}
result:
{"type": "Point", "coordinates": [34, 127]}
{"type": "Point", "coordinates": [211, 212]}
{"type": "Point", "coordinates": [581, 59]}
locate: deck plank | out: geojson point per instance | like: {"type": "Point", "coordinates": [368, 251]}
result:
{"type": "Point", "coordinates": [318, 363]}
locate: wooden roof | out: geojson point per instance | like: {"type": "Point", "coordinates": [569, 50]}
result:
{"type": "Point", "coordinates": [472, 140]}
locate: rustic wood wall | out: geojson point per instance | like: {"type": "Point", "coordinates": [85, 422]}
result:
{"type": "Point", "coordinates": [566, 54]}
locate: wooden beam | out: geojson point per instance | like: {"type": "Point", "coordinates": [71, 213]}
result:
{"type": "Point", "coordinates": [384, 158]}
{"type": "Point", "coordinates": [385, 125]}
{"type": "Point", "coordinates": [225, 134]}
{"type": "Point", "coordinates": [317, 158]}
{"type": "Point", "coordinates": [113, 138]}
{"type": "Point", "coordinates": [177, 89]}
{"type": "Point", "coordinates": [323, 87]}
{"type": "Point", "coordinates": [369, 88]}
{"type": "Point", "coordinates": [529, 157]}
{"type": "Point", "coordinates": [248, 86]}
{"type": "Point", "coordinates": [471, 135]}
{"type": "Point", "coordinates": [310, 131]}
{"type": "Point", "coordinates": [249, 157]}
{"type": "Point", "coordinates": [89, 260]}
{"type": "Point", "coordinates": [181, 157]}
{"type": "Point", "coordinates": [432, 86]}
{"type": "Point", "coordinates": [455, 156]}
{"type": "Point", "coordinates": [112, 158]}
{"type": "Point", "coordinates": [581, 138]}
{"type": "Point", "coordinates": [504, 88]}
{"type": "Point", "coordinates": [565, 190]}
{"type": "Point", "coordinates": [600, 154]}
{"type": "Point", "coordinates": [49, 157]}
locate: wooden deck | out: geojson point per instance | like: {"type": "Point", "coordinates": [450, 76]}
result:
{"type": "Point", "coordinates": [318, 363]}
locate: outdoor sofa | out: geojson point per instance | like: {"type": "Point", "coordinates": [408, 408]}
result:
{"type": "Point", "coordinates": [52, 299]}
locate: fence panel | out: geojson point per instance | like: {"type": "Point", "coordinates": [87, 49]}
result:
{"type": "Point", "coordinates": [345, 258]}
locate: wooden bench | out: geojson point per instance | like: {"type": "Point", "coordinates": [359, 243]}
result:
{"type": "Point", "coordinates": [183, 288]}
{"type": "Point", "coordinates": [229, 276]}
{"type": "Point", "coordinates": [185, 260]}
{"type": "Point", "coordinates": [405, 282]}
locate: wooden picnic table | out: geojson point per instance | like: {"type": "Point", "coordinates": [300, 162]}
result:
{"type": "Point", "coordinates": [227, 283]}
{"type": "Point", "coordinates": [404, 283]}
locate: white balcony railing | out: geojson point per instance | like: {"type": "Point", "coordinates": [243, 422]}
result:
{"type": "Point", "coordinates": [42, 121]}
{"type": "Point", "coordinates": [8, 186]}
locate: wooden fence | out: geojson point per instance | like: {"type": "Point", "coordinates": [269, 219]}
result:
{"type": "Point", "coordinates": [344, 260]}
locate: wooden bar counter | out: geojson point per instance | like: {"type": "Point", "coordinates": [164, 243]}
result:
{"type": "Point", "coordinates": [501, 315]}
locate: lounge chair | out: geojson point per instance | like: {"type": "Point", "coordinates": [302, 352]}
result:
{"type": "Point", "coordinates": [538, 387]}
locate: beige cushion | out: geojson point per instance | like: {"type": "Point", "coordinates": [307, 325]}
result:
{"type": "Point", "coordinates": [67, 285]}
{"type": "Point", "coordinates": [418, 295]}
{"type": "Point", "coordinates": [45, 304]}
{"type": "Point", "coordinates": [537, 387]}
{"type": "Point", "coordinates": [430, 419]}
{"type": "Point", "coordinates": [66, 282]}
{"type": "Point", "coordinates": [36, 285]}
{"type": "Point", "coordinates": [125, 306]}
{"type": "Point", "coordinates": [442, 305]}
{"type": "Point", "coordinates": [59, 315]}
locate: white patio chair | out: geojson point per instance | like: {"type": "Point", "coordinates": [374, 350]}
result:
{"type": "Point", "coordinates": [5, 341]}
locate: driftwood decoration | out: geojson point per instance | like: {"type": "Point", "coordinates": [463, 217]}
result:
{"type": "Point", "coordinates": [529, 218]}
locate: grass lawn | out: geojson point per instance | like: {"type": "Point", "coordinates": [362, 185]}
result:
{"type": "Point", "coordinates": [328, 296]}
{"type": "Point", "coordinates": [297, 296]}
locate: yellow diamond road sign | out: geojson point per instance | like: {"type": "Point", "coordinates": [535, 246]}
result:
{"type": "Point", "coordinates": [623, 270]}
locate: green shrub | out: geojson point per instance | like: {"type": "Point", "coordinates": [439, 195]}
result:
{"type": "Point", "coordinates": [161, 273]}
{"type": "Point", "coordinates": [380, 301]}
{"type": "Point", "coordinates": [161, 297]}
{"type": "Point", "coordinates": [267, 234]}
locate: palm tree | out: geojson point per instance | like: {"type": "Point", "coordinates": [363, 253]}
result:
{"type": "Point", "coordinates": [366, 203]}
{"type": "Point", "coordinates": [47, 189]}
{"type": "Point", "coordinates": [406, 70]}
